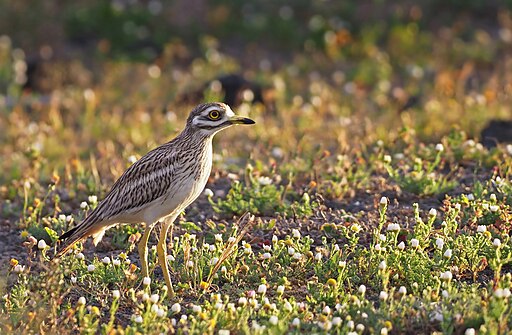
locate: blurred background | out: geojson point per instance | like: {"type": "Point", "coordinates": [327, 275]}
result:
{"type": "Point", "coordinates": [317, 75]}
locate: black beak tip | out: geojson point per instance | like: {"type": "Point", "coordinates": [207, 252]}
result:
{"type": "Point", "coordinates": [248, 121]}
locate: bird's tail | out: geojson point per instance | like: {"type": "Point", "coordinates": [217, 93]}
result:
{"type": "Point", "coordinates": [81, 232]}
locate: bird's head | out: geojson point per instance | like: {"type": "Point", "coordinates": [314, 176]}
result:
{"type": "Point", "coordinates": [212, 117]}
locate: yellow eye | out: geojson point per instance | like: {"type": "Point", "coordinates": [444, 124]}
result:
{"type": "Point", "coordinates": [214, 115]}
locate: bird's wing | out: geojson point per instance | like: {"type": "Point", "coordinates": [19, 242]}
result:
{"type": "Point", "coordinates": [145, 181]}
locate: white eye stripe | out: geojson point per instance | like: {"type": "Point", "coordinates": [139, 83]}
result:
{"type": "Point", "coordinates": [229, 112]}
{"type": "Point", "coordinates": [213, 108]}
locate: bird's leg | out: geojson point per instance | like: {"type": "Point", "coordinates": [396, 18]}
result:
{"type": "Point", "coordinates": [161, 250]}
{"type": "Point", "coordinates": [143, 250]}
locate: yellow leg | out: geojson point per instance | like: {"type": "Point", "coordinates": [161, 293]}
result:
{"type": "Point", "coordinates": [143, 250]}
{"type": "Point", "coordinates": [161, 250]}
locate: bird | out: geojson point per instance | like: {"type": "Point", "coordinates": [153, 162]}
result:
{"type": "Point", "coordinates": [160, 185]}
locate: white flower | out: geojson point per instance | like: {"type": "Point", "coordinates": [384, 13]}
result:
{"type": "Point", "coordinates": [81, 301]}
{"type": "Point", "coordinates": [470, 197]}
{"type": "Point", "coordinates": [92, 199]}
{"type": "Point", "coordinates": [432, 212]}
{"type": "Point", "coordinates": [291, 251]}
{"type": "Point", "coordinates": [439, 243]}
{"type": "Point", "coordinates": [224, 332]}
{"type": "Point", "coordinates": [342, 264]}
{"type": "Point", "coordinates": [242, 301]}
{"type": "Point", "coordinates": [154, 298]}
{"type": "Point", "coordinates": [355, 228]}
{"type": "Point", "coordinates": [116, 294]}
{"type": "Point", "coordinates": [262, 289]}
{"type": "Point", "coordinates": [446, 276]}
{"type": "Point", "coordinates": [336, 321]}
{"type": "Point", "coordinates": [273, 320]}
{"type": "Point", "coordinates": [296, 322]}
{"type": "Point", "coordinates": [160, 313]}
{"type": "Point", "coordinates": [170, 258]}
{"type": "Point", "coordinates": [383, 265]}
{"type": "Point", "coordinates": [383, 295]}
{"type": "Point", "coordinates": [470, 331]}
{"type": "Point", "coordinates": [448, 253]}
{"type": "Point", "coordinates": [401, 245]}
{"type": "Point", "coordinates": [106, 260]}
{"type": "Point", "coordinates": [145, 297]}
{"type": "Point", "coordinates": [439, 147]}
{"type": "Point", "coordinates": [402, 290]}
{"type": "Point", "coordinates": [481, 229]}
{"type": "Point", "coordinates": [383, 201]}
{"type": "Point", "coordinates": [73, 280]}
{"type": "Point", "coordinates": [80, 256]}
{"type": "Point", "coordinates": [212, 248]}
{"type": "Point", "coordinates": [116, 262]}
{"type": "Point", "coordinates": [83, 205]}
{"type": "Point", "coordinates": [280, 289]}
{"type": "Point", "coordinates": [485, 206]}
{"type": "Point", "coordinates": [326, 310]}
{"type": "Point", "coordinates": [132, 159]}
{"type": "Point", "coordinates": [378, 247]}
{"type": "Point", "coordinates": [214, 261]}
{"type": "Point", "coordinates": [457, 207]}
{"type": "Point", "coordinates": [41, 244]}
{"type": "Point", "coordinates": [496, 243]}
{"type": "Point", "coordinates": [295, 233]}
{"type": "Point", "coordinates": [267, 247]}
{"type": "Point", "coordinates": [494, 208]}
{"type": "Point", "coordinates": [146, 281]}
{"type": "Point", "coordinates": [138, 319]}
{"type": "Point", "coordinates": [287, 306]}
{"type": "Point", "coordinates": [326, 325]}
{"type": "Point", "coordinates": [91, 267]}
{"type": "Point", "coordinates": [264, 181]}
{"type": "Point", "coordinates": [445, 294]}
{"type": "Point", "coordinates": [382, 237]}
{"type": "Point", "coordinates": [318, 256]}
{"type": "Point", "coordinates": [274, 239]}
{"type": "Point", "coordinates": [350, 323]}
{"type": "Point", "coordinates": [267, 255]}
{"type": "Point", "coordinates": [336, 248]}
{"type": "Point", "coordinates": [297, 255]}
{"type": "Point", "coordinates": [415, 243]}
{"type": "Point", "coordinates": [492, 197]}
{"type": "Point", "coordinates": [393, 227]}
{"type": "Point", "coordinates": [218, 237]}
{"type": "Point", "coordinates": [360, 327]}
{"type": "Point", "coordinates": [384, 331]}
{"type": "Point", "coordinates": [197, 309]}
{"type": "Point", "coordinates": [387, 159]}
{"type": "Point", "coordinates": [362, 289]}
{"type": "Point", "coordinates": [231, 239]}
{"type": "Point", "coordinates": [208, 193]}
{"type": "Point", "coordinates": [154, 308]}
{"type": "Point", "coordinates": [176, 308]}
{"type": "Point", "coordinates": [190, 264]}
{"type": "Point", "coordinates": [19, 268]}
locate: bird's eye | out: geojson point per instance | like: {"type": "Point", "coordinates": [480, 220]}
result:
{"type": "Point", "coordinates": [214, 115]}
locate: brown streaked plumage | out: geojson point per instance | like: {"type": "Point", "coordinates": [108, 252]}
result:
{"type": "Point", "coordinates": [160, 185]}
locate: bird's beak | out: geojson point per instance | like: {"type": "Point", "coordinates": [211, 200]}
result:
{"type": "Point", "coordinates": [240, 120]}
